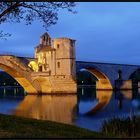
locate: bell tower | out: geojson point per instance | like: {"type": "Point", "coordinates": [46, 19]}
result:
{"type": "Point", "coordinates": [45, 55]}
{"type": "Point", "coordinates": [45, 40]}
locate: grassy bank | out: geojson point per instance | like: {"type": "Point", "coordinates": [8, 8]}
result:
{"type": "Point", "coordinates": [122, 127]}
{"type": "Point", "coordinates": [16, 127]}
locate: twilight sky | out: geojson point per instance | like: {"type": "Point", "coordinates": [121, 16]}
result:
{"type": "Point", "coordinates": [104, 32]}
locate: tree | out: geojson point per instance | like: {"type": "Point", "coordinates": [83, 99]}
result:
{"type": "Point", "coordinates": [46, 12]}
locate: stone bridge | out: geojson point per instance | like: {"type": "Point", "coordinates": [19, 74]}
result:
{"type": "Point", "coordinates": [17, 67]}
{"type": "Point", "coordinates": [41, 82]}
{"type": "Point", "coordinates": [54, 68]}
{"type": "Point", "coordinates": [108, 73]}
{"type": "Point", "coordinates": [34, 82]}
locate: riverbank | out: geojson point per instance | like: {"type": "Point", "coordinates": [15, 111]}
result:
{"type": "Point", "coordinates": [122, 127]}
{"type": "Point", "coordinates": [18, 127]}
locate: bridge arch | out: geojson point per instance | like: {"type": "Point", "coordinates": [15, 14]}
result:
{"type": "Point", "coordinates": [102, 81]}
{"type": "Point", "coordinates": [135, 78]}
{"type": "Point", "coordinates": [21, 74]}
{"type": "Point", "coordinates": [135, 73]}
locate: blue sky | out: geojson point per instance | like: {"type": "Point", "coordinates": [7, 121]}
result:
{"type": "Point", "coordinates": [104, 32]}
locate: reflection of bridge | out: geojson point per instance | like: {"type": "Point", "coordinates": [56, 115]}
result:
{"type": "Point", "coordinates": [53, 70]}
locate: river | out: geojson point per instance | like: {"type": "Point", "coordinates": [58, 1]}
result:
{"type": "Point", "coordinates": [88, 108]}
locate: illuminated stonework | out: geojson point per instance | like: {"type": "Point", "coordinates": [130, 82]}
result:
{"type": "Point", "coordinates": [55, 56]}
{"type": "Point", "coordinates": [33, 65]}
{"type": "Point", "coordinates": [54, 65]}
{"type": "Point", "coordinates": [51, 71]}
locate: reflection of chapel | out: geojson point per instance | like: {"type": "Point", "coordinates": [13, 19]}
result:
{"type": "Point", "coordinates": [55, 56]}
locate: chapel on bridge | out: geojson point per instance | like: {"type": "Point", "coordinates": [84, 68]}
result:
{"type": "Point", "coordinates": [55, 56]}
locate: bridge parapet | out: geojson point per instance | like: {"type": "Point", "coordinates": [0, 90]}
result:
{"type": "Point", "coordinates": [111, 71]}
{"type": "Point", "coordinates": [40, 74]}
{"type": "Point", "coordinates": [17, 61]}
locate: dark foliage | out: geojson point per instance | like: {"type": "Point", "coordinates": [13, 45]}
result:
{"type": "Point", "coordinates": [45, 12]}
{"type": "Point", "coordinates": [7, 80]}
{"type": "Point", "coordinates": [122, 127]}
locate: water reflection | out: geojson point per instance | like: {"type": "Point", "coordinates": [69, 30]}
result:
{"type": "Point", "coordinates": [72, 109]}
{"type": "Point", "coordinates": [136, 98]}
{"type": "Point", "coordinates": [11, 91]}
{"type": "Point", "coordinates": [106, 105]}
{"type": "Point", "coordinates": [48, 107]}
{"type": "Point", "coordinates": [133, 96]}
{"type": "Point", "coordinates": [91, 100]}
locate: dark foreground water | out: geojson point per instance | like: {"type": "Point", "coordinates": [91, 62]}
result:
{"type": "Point", "coordinates": [87, 109]}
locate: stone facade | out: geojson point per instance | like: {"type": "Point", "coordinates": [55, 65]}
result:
{"type": "Point", "coordinates": [55, 62]}
{"type": "Point", "coordinates": [118, 75]}
{"type": "Point", "coordinates": [55, 56]}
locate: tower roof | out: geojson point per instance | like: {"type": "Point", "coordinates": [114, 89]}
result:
{"type": "Point", "coordinates": [45, 34]}
{"type": "Point", "coordinates": [45, 39]}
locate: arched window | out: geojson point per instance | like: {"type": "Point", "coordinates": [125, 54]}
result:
{"type": "Point", "coordinates": [40, 68]}
{"type": "Point", "coordinates": [119, 74]}
{"type": "Point", "coordinates": [58, 64]}
{"type": "Point", "coordinates": [58, 46]}
{"type": "Point", "coordinates": [43, 38]}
